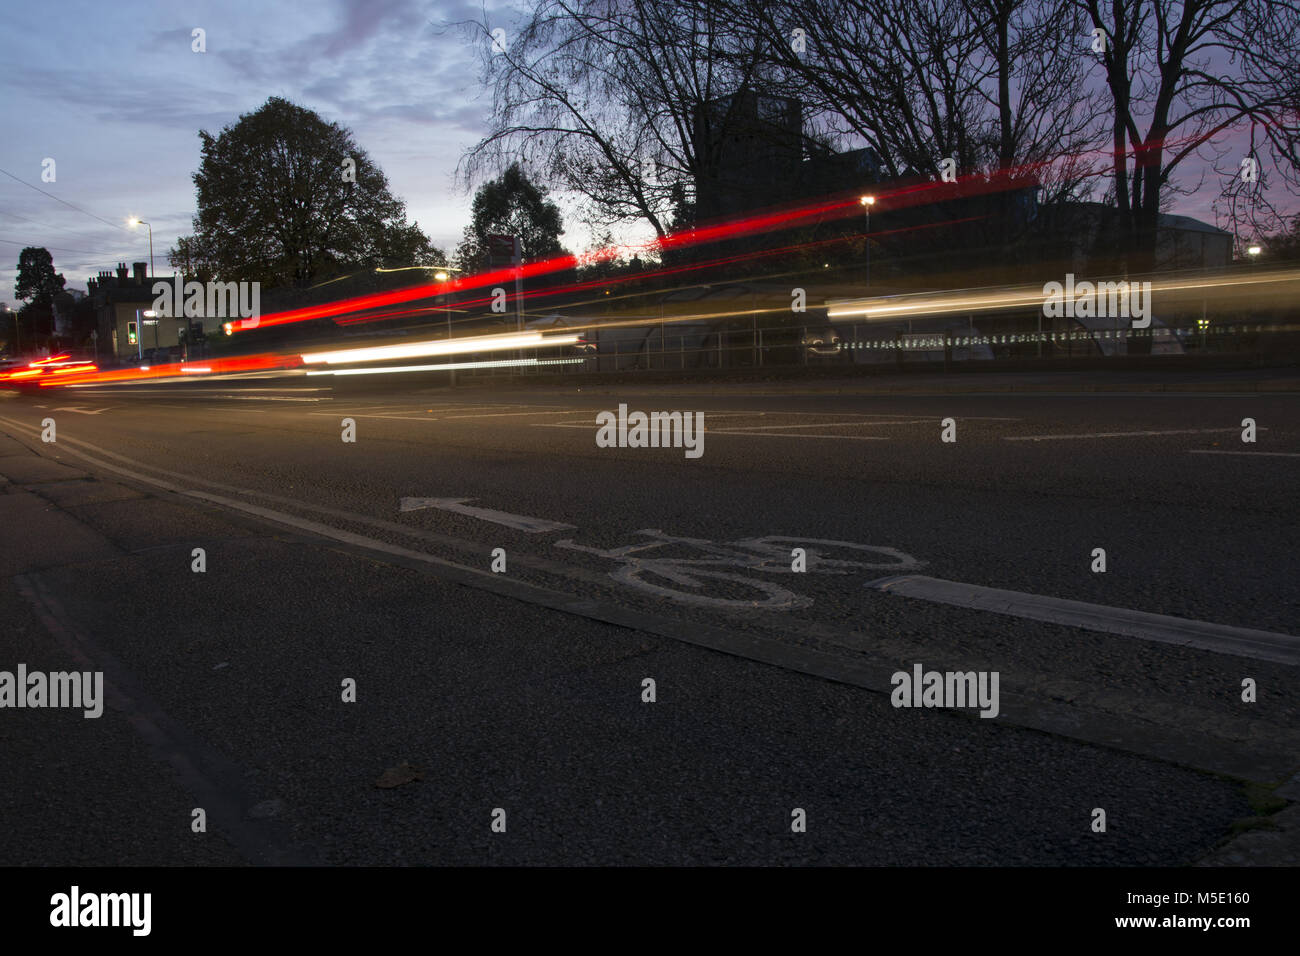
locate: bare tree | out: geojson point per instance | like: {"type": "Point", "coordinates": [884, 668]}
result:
{"type": "Point", "coordinates": [1035, 82]}
{"type": "Point", "coordinates": [613, 100]}
{"type": "Point", "coordinates": [1184, 76]}
{"type": "Point", "coordinates": [989, 84]}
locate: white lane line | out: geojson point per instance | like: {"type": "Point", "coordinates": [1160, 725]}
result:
{"type": "Point", "coordinates": [1222, 638]}
{"type": "Point", "coordinates": [1256, 454]}
{"type": "Point", "coordinates": [460, 506]}
{"type": "Point", "coordinates": [267, 398]}
{"type": "Point", "coordinates": [760, 428]}
{"type": "Point", "coordinates": [1177, 431]}
{"type": "Point", "coordinates": [363, 408]}
{"type": "Point", "coordinates": [402, 417]}
{"type": "Point", "coordinates": [396, 418]}
{"type": "Point", "coordinates": [777, 414]}
{"type": "Point", "coordinates": [713, 431]}
{"type": "Point", "coordinates": [79, 410]}
{"type": "Point", "coordinates": [452, 418]}
{"type": "Point", "coordinates": [391, 412]}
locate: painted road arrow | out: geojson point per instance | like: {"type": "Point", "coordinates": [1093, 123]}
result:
{"type": "Point", "coordinates": [461, 506]}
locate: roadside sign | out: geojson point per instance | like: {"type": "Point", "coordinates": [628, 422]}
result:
{"type": "Point", "coordinates": [501, 250]}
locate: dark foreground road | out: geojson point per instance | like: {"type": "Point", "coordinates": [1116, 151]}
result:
{"type": "Point", "coordinates": [524, 690]}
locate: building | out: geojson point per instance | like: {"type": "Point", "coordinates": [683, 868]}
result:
{"type": "Point", "coordinates": [124, 333]}
{"type": "Point", "coordinates": [750, 151]}
{"type": "Point", "coordinates": [1083, 234]}
{"type": "Point", "coordinates": [120, 300]}
{"type": "Point", "coordinates": [1186, 243]}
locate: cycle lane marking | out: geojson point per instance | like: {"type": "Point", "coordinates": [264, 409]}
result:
{"type": "Point", "coordinates": [461, 506]}
{"type": "Point", "coordinates": [1161, 628]}
{"type": "Point", "coordinates": [1171, 742]}
{"type": "Point", "coordinates": [1248, 454]}
{"type": "Point", "coordinates": [1141, 434]}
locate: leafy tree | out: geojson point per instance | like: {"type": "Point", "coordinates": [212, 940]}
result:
{"type": "Point", "coordinates": [288, 199]}
{"type": "Point", "coordinates": [192, 259]}
{"type": "Point", "coordinates": [407, 245]}
{"type": "Point", "coordinates": [511, 205]}
{"type": "Point", "coordinates": [599, 262]}
{"type": "Point", "coordinates": [37, 281]}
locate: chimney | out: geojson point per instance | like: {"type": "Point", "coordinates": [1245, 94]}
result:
{"type": "Point", "coordinates": [121, 273]}
{"type": "Point", "coordinates": [141, 270]}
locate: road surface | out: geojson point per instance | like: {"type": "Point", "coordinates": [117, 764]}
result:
{"type": "Point", "coordinates": [500, 588]}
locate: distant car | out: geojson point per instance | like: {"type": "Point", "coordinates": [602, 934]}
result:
{"type": "Point", "coordinates": [41, 371]}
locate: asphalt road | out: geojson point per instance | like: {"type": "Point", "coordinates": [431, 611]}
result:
{"type": "Point", "coordinates": [522, 690]}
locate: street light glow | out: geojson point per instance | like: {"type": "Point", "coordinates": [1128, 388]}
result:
{"type": "Point", "coordinates": [868, 200]}
{"type": "Point", "coordinates": [137, 221]}
{"type": "Point", "coordinates": [1254, 251]}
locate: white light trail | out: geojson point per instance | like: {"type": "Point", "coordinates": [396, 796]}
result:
{"type": "Point", "coordinates": [449, 366]}
{"type": "Point", "coordinates": [486, 343]}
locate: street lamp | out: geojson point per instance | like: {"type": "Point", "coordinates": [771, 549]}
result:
{"type": "Point", "coordinates": [867, 203]}
{"type": "Point", "coordinates": [133, 221]}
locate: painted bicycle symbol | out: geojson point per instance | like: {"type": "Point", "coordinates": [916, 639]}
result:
{"type": "Point", "coordinates": [771, 554]}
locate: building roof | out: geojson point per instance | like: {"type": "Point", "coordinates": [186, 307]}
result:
{"type": "Point", "coordinates": [1188, 224]}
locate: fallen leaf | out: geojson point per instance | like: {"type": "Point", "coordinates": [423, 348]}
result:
{"type": "Point", "coordinates": [396, 776]}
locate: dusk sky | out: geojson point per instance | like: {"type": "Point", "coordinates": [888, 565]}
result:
{"type": "Point", "coordinates": [115, 95]}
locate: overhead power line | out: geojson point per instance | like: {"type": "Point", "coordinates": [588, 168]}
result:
{"type": "Point", "coordinates": [37, 245]}
{"type": "Point", "coordinates": [46, 225]}
{"type": "Point", "coordinates": [86, 212]}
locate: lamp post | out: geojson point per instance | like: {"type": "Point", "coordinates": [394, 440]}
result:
{"type": "Point", "coordinates": [133, 221]}
{"type": "Point", "coordinates": [442, 277]}
{"type": "Point", "coordinates": [867, 203]}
